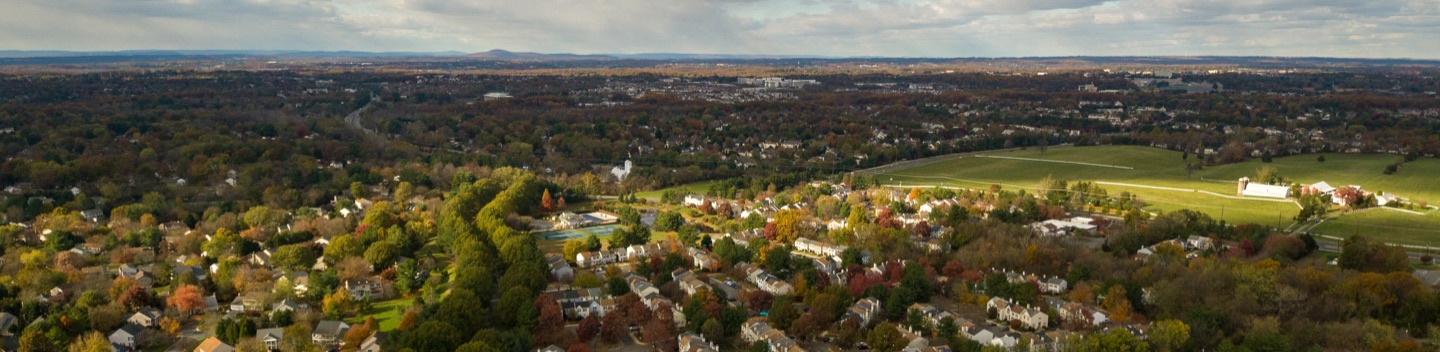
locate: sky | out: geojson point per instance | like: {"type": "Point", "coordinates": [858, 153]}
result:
{"type": "Point", "coordinates": [908, 28]}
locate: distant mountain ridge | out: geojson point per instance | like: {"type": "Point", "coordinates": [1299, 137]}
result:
{"type": "Point", "coordinates": [44, 57]}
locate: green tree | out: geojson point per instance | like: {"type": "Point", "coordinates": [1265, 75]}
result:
{"type": "Point", "coordinates": [1169, 335]}
{"type": "Point", "coordinates": [381, 254]}
{"type": "Point", "coordinates": [1115, 340]}
{"type": "Point", "coordinates": [293, 256]}
{"type": "Point", "coordinates": [885, 337]}
{"type": "Point", "coordinates": [516, 308]}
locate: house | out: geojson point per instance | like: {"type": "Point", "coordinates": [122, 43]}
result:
{"type": "Point", "coordinates": [766, 281]}
{"type": "Point", "coordinates": [261, 258]}
{"type": "Point", "coordinates": [372, 343]}
{"type": "Point", "coordinates": [689, 282]}
{"type": "Point", "coordinates": [7, 322]}
{"type": "Point", "coordinates": [363, 288]}
{"type": "Point", "coordinates": [213, 344]}
{"type": "Point", "coordinates": [93, 215]}
{"type": "Point", "coordinates": [559, 269]}
{"type": "Point", "coordinates": [126, 335]}
{"type": "Point", "coordinates": [596, 258]}
{"type": "Point", "coordinates": [758, 329]}
{"type": "Point", "coordinates": [821, 248]}
{"type": "Point", "coordinates": [702, 259]}
{"type": "Point", "coordinates": [285, 305]}
{"type": "Point", "coordinates": [211, 304]}
{"type": "Point", "coordinates": [271, 337]}
{"type": "Point", "coordinates": [328, 334]}
{"type": "Point", "coordinates": [196, 272]}
{"type": "Point", "coordinates": [864, 310]}
{"type": "Point", "coordinates": [1428, 277]}
{"type": "Point", "coordinates": [690, 342]}
{"type": "Point", "coordinates": [1199, 243]}
{"type": "Point", "coordinates": [1053, 285]}
{"type": "Point", "coordinates": [145, 317]}
{"type": "Point", "coordinates": [1028, 317]}
{"type": "Point", "coordinates": [932, 315]}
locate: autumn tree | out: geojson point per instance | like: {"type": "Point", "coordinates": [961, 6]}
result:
{"type": "Point", "coordinates": [91, 342]}
{"type": "Point", "coordinates": [187, 299]}
{"type": "Point", "coordinates": [1118, 304]}
{"type": "Point", "coordinates": [1169, 335]}
{"type": "Point", "coordinates": [787, 225]}
{"type": "Point", "coordinates": [547, 204]}
{"type": "Point", "coordinates": [589, 328]}
{"type": "Point", "coordinates": [611, 327]}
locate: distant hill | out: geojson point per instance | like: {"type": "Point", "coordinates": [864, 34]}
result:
{"type": "Point", "coordinates": [499, 54]}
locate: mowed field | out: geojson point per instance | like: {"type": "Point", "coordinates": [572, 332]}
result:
{"type": "Point", "coordinates": [1158, 177]}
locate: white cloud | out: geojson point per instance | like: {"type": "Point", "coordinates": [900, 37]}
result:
{"type": "Point", "coordinates": [1403, 28]}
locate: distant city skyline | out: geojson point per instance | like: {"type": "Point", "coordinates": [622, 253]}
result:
{"type": "Point", "coordinates": [842, 28]}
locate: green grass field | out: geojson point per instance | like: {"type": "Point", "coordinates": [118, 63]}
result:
{"type": "Point", "coordinates": [1158, 177]}
{"type": "Point", "coordinates": [698, 187]}
{"type": "Point", "coordinates": [387, 313]}
{"type": "Point", "coordinates": [1395, 226]}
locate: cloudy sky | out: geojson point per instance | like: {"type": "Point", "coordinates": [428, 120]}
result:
{"type": "Point", "coordinates": [934, 28]}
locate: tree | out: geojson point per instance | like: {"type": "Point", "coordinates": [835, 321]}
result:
{"type": "Point", "coordinates": [293, 256]}
{"type": "Point", "coordinates": [1320, 159]}
{"type": "Point", "coordinates": [589, 328]}
{"type": "Point", "coordinates": [91, 342]}
{"type": "Point", "coordinates": [187, 299]}
{"type": "Point", "coordinates": [611, 327]}
{"type": "Point", "coordinates": [381, 254]}
{"type": "Point", "coordinates": [885, 337]}
{"type": "Point", "coordinates": [782, 312]}
{"type": "Point", "coordinates": [669, 221]}
{"type": "Point", "coordinates": [1116, 340]}
{"type": "Point", "coordinates": [1117, 303]}
{"type": "Point", "coordinates": [712, 330]}
{"type": "Point", "coordinates": [1169, 335]}
{"type": "Point", "coordinates": [574, 247]}
{"type": "Point", "coordinates": [1268, 175]}
{"type": "Point", "coordinates": [547, 204]}
{"type": "Point", "coordinates": [516, 307]}
{"type": "Point", "coordinates": [787, 225]}
{"type": "Point", "coordinates": [34, 340]}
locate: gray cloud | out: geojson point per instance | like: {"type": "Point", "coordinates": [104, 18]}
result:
{"type": "Point", "coordinates": [1377, 28]}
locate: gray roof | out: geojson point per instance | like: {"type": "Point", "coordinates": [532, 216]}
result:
{"type": "Point", "coordinates": [330, 327]}
{"type": "Point", "coordinates": [131, 329]}
{"type": "Point", "coordinates": [277, 333]}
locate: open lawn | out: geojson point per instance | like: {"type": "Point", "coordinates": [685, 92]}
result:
{"type": "Point", "coordinates": [1394, 226]}
{"type": "Point", "coordinates": [698, 187]}
{"type": "Point", "coordinates": [1158, 177]}
{"type": "Point", "coordinates": [387, 313]}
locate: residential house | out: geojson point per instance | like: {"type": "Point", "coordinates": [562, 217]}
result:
{"type": "Point", "coordinates": [932, 315]}
{"type": "Point", "coordinates": [145, 317]}
{"type": "Point", "coordinates": [596, 258]}
{"type": "Point", "coordinates": [372, 343]}
{"type": "Point", "coordinates": [1199, 243]}
{"type": "Point", "coordinates": [1053, 285]}
{"type": "Point", "coordinates": [329, 334]}
{"type": "Point", "coordinates": [197, 272]}
{"type": "Point", "coordinates": [213, 344]}
{"type": "Point", "coordinates": [864, 311]}
{"type": "Point", "coordinates": [559, 269]}
{"type": "Point", "coordinates": [271, 337]}
{"type": "Point", "coordinates": [1028, 317]}
{"type": "Point", "coordinates": [766, 281]}
{"type": "Point", "coordinates": [8, 322]}
{"type": "Point", "coordinates": [126, 335]}
{"type": "Point", "coordinates": [702, 259]}
{"type": "Point", "coordinates": [690, 342]}
{"type": "Point", "coordinates": [285, 305]}
{"type": "Point", "coordinates": [362, 288]}
{"type": "Point", "coordinates": [1429, 278]}
{"type": "Point", "coordinates": [688, 281]}
{"type": "Point", "coordinates": [261, 258]}
{"type": "Point", "coordinates": [825, 249]}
